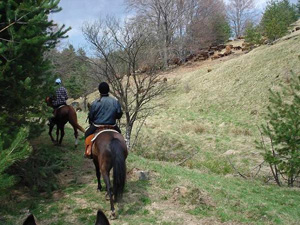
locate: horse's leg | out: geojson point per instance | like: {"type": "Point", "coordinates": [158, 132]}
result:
{"type": "Point", "coordinates": [62, 133]}
{"type": "Point", "coordinates": [109, 191]}
{"type": "Point", "coordinates": [51, 126]}
{"type": "Point", "coordinates": [57, 133]}
{"type": "Point", "coordinates": [76, 136]}
{"type": "Point", "coordinates": [98, 174]}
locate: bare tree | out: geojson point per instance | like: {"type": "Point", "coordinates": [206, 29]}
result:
{"type": "Point", "coordinates": [162, 16]}
{"type": "Point", "coordinates": [240, 12]}
{"type": "Point", "coordinates": [180, 26]}
{"type": "Point", "coordinates": [201, 19]}
{"type": "Point", "coordinates": [120, 52]}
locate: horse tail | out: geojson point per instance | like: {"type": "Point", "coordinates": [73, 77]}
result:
{"type": "Point", "coordinates": [73, 119]}
{"type": "Point", "coordinates": [80, 127]}
{"type": "Point", "coordinates": [119, 167]}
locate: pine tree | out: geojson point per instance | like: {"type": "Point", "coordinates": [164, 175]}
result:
{"type": "Point", "coordinates": [222, 29]}
{"type": "Point", "coordinates": [253, 34]}
{"type": "Point", "coordinates": [277, 18]}
{"type": "Point", "coordinates": [19, 149]}
{"type": "Point", "coordinates": [73, 68]}
{"type": "Point", "coordinates": [283, 129]}
{"type": "Point", "coordinates": [26, 34]}
{"type": "Point", "coordinates": [25, 78]}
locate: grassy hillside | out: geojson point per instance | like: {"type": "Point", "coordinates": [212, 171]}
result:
{"type": "Point", "coordinates": [217, 113]}
{"type": "Point", "coordinates": [206, 122]}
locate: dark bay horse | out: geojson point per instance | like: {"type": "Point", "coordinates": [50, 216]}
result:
{"type": "Point", "coordinates": [110, 151]}
{"type": "Point", "coordinates": [64, 114]}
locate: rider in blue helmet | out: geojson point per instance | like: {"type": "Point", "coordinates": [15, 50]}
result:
{"type": "Point", "coordinates": [61, 95]}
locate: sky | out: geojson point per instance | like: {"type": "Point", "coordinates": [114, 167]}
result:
{"type": "Point", "coordinates": [75, 12]}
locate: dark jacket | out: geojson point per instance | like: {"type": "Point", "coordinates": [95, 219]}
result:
{"type": "Point", "coordinates": [105, 111]}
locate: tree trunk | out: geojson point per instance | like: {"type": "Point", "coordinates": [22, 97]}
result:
{"type": "Point", "coordinates": [85, 102]}
{"type": "Point", "coordinates": [127, 135]}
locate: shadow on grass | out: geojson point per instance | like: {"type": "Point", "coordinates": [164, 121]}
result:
{"type": "Point", "coordinates": [37, 177]}
{"type": "Point", "coordinates": [135, 198]}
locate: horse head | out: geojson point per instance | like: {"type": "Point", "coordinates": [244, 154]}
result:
{"type": "Point", "coordinates": [48, 100]}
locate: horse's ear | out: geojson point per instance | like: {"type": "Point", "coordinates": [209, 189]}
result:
{"type": "Point", "coordinates": [30, 220]}
{"type": "Point", "coordinates": [101, 218]}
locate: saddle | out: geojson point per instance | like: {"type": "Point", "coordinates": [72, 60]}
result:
{"type": "Point", "coordinates": [55, 109]}
{"type": "Point", "coordinates": [89, 141]}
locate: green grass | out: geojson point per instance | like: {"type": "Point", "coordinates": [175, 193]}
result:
{"type": "Point", "coordinates": [208, 196]}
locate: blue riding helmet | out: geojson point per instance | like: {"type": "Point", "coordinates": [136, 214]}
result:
{"type": "Point", "coordinates": [58, 81]}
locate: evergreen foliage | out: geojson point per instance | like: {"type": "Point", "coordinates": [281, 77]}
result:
{"type": "Point", "coordinates": [222, 29]}
{"type": "Point", "coordinates": [19, 149]}
{"type": "Point", "coordinates": [72, 67]}
{"type": "Point", "coordinates": [283, 129]}
{"type": "Point", "coordinates": [253, 34]}
{"type": "Point", "coordinates": [277, 18]}
{"type": "Point", "coordinates": [25, 78]}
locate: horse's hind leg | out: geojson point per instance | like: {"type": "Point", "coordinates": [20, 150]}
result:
{"type": "Point", "coordinates": [57, 133]}
{"type": "Point", "coordinates": [109, 192]}
{"type": "Point", "coordinates": [51, 126]}
{"type": "Point", "coordinates": [98, 174]}
{"type": "Point", "coordinates": [76, 136]}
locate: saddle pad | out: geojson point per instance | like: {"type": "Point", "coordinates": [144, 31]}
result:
{"type": "Point", "coordinates": [102, 131]}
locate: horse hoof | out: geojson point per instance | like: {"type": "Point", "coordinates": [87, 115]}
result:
{"type": "Point", "coordinates": [107, 197]}
{"type": "Point", "coordinates": [100, 189]}
{"type": "Point", "coordinates": [112, 216]}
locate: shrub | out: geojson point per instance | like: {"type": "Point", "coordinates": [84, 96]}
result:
{"type": "Point", "coordinates": [253, 34]}
{"type": "Point", "coordinates": [283, 130]}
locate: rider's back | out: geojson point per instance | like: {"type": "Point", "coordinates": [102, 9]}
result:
{"type": "Point", "coordinates": [105, 111]}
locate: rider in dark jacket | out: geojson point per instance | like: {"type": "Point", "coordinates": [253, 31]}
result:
{"type": "Point", "coordinates": [103, 113]}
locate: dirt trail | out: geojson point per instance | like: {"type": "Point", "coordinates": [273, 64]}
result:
{"type": "Point", "coordinates": [165, 210]}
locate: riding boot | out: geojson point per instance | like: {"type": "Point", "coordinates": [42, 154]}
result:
{"type": "Point", "coordinates": [88, 147]}
{"type": "Point", "coordinates": [88, 152]}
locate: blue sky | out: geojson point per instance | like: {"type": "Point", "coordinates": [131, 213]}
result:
{"type": "Point", "coordinates": [75, 12]}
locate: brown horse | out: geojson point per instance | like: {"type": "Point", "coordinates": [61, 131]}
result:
{"type": "Point", "coordinates": [63, 114]}
{"type": "Point", "coordinates": [110, 151]}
